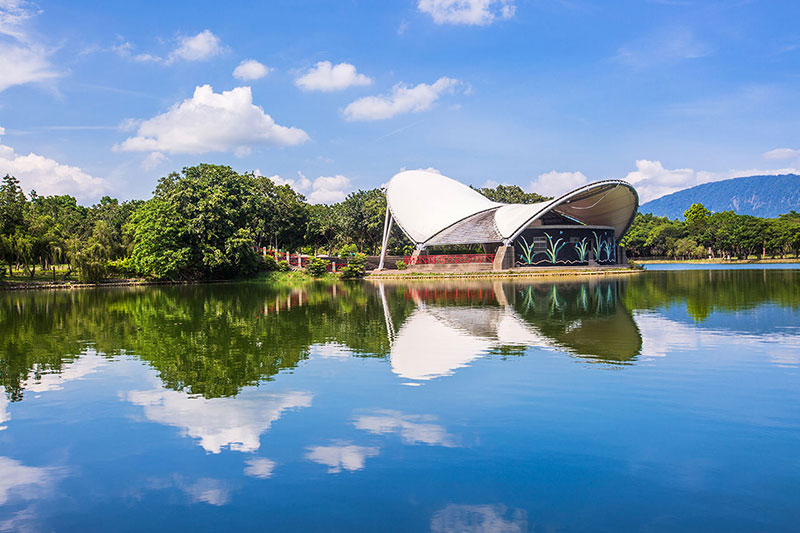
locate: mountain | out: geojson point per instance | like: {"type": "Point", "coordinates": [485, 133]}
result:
{"type": "Point", "coordinates": [762, 196]}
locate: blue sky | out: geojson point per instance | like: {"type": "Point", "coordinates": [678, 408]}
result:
{"type": "Point", "coordinates": [105, 97]}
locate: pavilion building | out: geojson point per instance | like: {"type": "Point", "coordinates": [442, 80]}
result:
{"type": "Point", "coordinates": [581, 227]}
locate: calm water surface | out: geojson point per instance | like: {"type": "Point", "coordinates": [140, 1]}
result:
{"type": "Point", "coordinates": [662, 401]}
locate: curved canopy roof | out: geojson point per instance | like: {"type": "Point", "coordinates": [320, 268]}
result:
{"type": "Point", "coordinates": [434, 209]}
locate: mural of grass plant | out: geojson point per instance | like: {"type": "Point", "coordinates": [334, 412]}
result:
{"type": "Point", "coordinates": [596, 246]}
{"type": "Point", "coordinates": [582, 249]}
{"type": "Point", "coordinates": [553, 248]}
{"type": "Point", "coordinates": [527, 251]}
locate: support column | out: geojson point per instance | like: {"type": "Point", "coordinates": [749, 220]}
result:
{"type": "Point", "coordinates": [387, 229]}
{"type": "Point", "coordinates": [503, 258]}
{"type": "Point", "coordinates": [414, 257]}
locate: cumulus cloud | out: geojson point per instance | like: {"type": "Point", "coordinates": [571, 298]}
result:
{"type": "Point", "coordinates": [22, 59]}
{"type": "Point", "coordinates": [479, 518]}
{"type": "Point", "coordinates": [47, 176]}
{"type": "Point", "coordinates": [341, 456]}
{"type": "Point", "coordinates": [403, 99]}
{"type": "Point", "coordinates": [468, 12]}
{"type": "Point", "coordinates": [652, 180]}
{"type": "Point", "coordinates": [326, 77]}
{"type": "Point", "coordinates": [250, 69]}
{"type": "Point", "coordinates": [211, 122]}
{"type": "Point", "coordinates": [323, 190]}
{"type": "Point", "coordinates": [202, 46]}
{"type": "Point", "coordinates": [781, 153]}
{"type": "Point", "coordinates": [25, 481]}
{"type": "Point", "coordinates": [557, 183]}
{"type": "Point", "coordinates": [329, 189]}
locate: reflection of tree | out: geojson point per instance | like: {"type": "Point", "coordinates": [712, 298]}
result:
{"type": "Point", "coordinates": [704, 292]}
{"type": "Point", "coordinates": [205, 339]}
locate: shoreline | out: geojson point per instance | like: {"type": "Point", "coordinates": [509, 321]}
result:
{"type": "Point", "coordinates": [507, 274]}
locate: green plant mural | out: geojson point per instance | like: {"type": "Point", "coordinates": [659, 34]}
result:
{"type": "Point", "coordinates": [582, 249]}
{"type": "Point", "coordinates": [553, 248]}
{"type": "Point", "coordinates": [596, 246]}
{"type": "Point", "coordinates": [527, 251]}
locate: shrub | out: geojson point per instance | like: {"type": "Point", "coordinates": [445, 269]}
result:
{"type": "Point", "coordinates": [283, 266]}
{"type": "Point", "coordinates": [355, 267]}
{"type": "Point", "coordinates": [268, 264]}
{"type": "Point", "coordinates": [348, 250]}
{"type": "Point", "coordinates": [401, 265]}
{"type": "Point", "coordinates": [316, 267]}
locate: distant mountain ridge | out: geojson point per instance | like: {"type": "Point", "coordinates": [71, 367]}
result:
{"type": "Point", "coordinates": [762, 196]}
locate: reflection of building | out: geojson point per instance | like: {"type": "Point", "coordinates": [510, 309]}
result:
{"type": "Point", "coordinates": [445, 332]}
{"type": "Point", "coordinates": [577, 228]}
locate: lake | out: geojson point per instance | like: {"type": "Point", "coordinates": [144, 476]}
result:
{"type": "Point", "coordinates": [660, 401]}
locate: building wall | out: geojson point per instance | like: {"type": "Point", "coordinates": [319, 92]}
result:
{"type": "Point", "coordinates": [565, 245]}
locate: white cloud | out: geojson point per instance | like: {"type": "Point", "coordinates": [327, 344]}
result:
{"type": "Point", "coordinates": [781, 153]}
{"type": "Point", "coordinates": [153, 160]}
{"type": "Point", "coordinates": [329, 189]}
{"type": "Point", "coordinates": [22, 59]}
{"type": "Point", "coordinates": [234, 423]}
{"type": "Point", "coordinates": [211, 122]}
{"type": "Point", "coordinates": [653, 181]}
{"type": "Point", "coordinates": [403, 99]}
{"type": "Point", "coordinates": [323, 190]}
{"type": "Point", "coordinates": [259, 467]}
{"type": "Point", "coordinates": [413, 429]}
{"type": "Point", "coordinates": [326, 77]}
{"type": "Point", "coordinates": [47, 176]}
{"type": "Point", "coordinates": [250, 69]}
{"type": "Point", "coordinates": [343, 456]}
{"type": "Point", "coordinates": [557, 183]}
{"type": "Point", "coordinates": [202, 46]}
{"type": "Point", "coordinates": [469, 12]}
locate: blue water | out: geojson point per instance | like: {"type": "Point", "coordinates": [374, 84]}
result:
{"type": "Point", "coordinates": [664, 401]}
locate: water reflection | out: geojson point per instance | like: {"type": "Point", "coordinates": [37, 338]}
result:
{"type": "Point", "coordinates": [213, 341]}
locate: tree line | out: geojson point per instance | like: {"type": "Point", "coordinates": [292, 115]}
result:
{"type": "Point", "coordinates": [703, 234]}
{"type": "Point", "coordinates": [206, 221]}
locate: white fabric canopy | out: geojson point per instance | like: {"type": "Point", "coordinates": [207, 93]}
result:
{"type": "Point", "coordinates": [434, 209]}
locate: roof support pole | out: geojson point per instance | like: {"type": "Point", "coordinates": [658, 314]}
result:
{"type": "Point", "coordinates": [387, 229]}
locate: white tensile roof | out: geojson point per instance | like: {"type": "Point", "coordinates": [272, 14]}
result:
{"type": "Point", "coordinates": [434, 209]}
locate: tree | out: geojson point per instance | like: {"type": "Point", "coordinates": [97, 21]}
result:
{"type": "Point", "coordinates": [199, 224]}
{"type": "Point", "coordinates": [511, 194]}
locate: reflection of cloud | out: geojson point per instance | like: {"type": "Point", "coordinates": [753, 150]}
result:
{"type": "Point", "coordinates": [24, 481]}
{"type": "Point", "coordinates": [347, 456]}
{"type": "Point", "coordinates": [236, 423]}
{"type": "Point", "coordinates": [207, 490]}
{"type": "Point", "coordinates": [330, 349]}
{"type": "Point", "coordinates": [662, 336]}
{"type": "Point", "coordinates": [79, 368]}
{"type": "Point", "coordinates": [259, 467]}
{"type": "Point", "coordinates": [479, 518]}
{"type": "Point", "coordinates": [412, 428]}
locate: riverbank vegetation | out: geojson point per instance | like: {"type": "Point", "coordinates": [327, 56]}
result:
{"type": "Point", "coordinates": [209, 222]}
{"type": "Point", "coordinates": [706, 235]}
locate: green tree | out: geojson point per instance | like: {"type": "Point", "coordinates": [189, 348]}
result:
{"type": "Point", "coordinates": [511, 194]}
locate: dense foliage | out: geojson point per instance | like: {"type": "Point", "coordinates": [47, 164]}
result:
{"type": "Point", "coordinates": [718, 235]}
{"type": "Point", "coordinates": [209, 222]}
